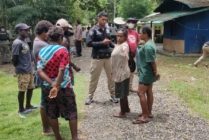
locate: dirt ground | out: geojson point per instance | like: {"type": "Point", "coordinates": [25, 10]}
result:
{"type": "Point", "coordinates": [173, 120]}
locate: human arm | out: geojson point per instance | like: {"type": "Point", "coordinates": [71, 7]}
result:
{"type": "Point", "coordinates": [91, 40]}
{"type": "Point", "coordinates": [62, 66]}
{"type": "Point", "coordinates": [112, 45]}
{"type": "Point", "coordinates": [15, 53]}
{"type": "Point", "coordinates": [55, 86]}
{"type": "Point", "coordinates": [14, 60]}
{"type": "Point", "coordinates": [150, 56]}
{"type": "Point", "coordinates": [80, 33]}
{"type": "Point", "coordinates": [43, 75]}
{"type": "Point", "coordinates": [154, 67]}
{"type": "Point", "coordinates": [126, 51]}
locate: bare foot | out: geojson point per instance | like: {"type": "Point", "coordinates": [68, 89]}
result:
{"type": "Point", "coordinates": [149, 116]}
{"type": "Point", "coordinates": [48, 133]}
{"type": "Point", "coordinates": [119, 115]}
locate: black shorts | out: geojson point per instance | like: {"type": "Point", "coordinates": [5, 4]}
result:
{"type": "Point", "coordinates": [141, 83]}
{"type": "Point", "coordinates": [64, 104]}
{"type": "Point", "coordinates": [122, 89]}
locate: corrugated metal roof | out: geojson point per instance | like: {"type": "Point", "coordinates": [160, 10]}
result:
{"type": "Point", "coordinates": [171, 15]}
{"type": "Point", "coordinates": [195, 3]}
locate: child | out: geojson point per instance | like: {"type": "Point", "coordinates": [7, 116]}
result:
{"type": "Point", "coordinates": [121, 72]}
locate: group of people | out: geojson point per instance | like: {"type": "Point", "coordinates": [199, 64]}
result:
{"type": "Point", "coordinates": [52, 72]}
{"type": "Point", "coordinates": [54, 75]}
{"type": "Point", "coordinates": [119, 64]}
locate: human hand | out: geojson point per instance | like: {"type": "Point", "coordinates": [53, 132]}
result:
{"type": "Point", "coordinates": [158, 76]}
{"type": "Point", "coordinates": [106, 41]}
{"type": "Point", "coordinates": [53, 93]}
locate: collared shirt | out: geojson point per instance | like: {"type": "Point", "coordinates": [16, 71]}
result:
{"type": "Point", "coordinates": [95, 39]}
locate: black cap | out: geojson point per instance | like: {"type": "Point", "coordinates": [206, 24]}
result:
{"type": "Point", "coordinates": [132, 19]}
{"type": "Point", "coordinates": [21, 26]}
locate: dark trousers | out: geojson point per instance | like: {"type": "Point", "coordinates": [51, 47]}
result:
{"type": "Point", "coordinates": [78, 47]}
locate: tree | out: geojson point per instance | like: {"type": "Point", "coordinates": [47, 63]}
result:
{"type": "Point", "coordinates": [31, 11]}
{"type": "Point", "coordinates": [134, 8]}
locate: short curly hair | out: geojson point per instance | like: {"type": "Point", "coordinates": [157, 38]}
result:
{"type": "Point", "coordinates": [42, 26]}
{"type": "Point", "coordinates": [54, 33]}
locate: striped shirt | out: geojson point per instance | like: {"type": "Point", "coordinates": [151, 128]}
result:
{"type": "Point", "coordinates": [50, 59]}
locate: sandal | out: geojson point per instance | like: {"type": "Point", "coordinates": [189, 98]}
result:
{"type": "Point", "coordinates": [32, 107]}
{"type": "Point", "coordinates": [140, 121]}
{"type": "Point", "coordinates": [26, 111]}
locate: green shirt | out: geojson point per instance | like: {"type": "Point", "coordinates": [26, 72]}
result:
{"type": "Point", "coordinates": [146, 55]}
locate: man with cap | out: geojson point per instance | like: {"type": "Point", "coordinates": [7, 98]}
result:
{"type": "Point", "coordinates": [65, 26]}
{"type": "Point", "coordinates": [66, 43]}
{"type": "Point", "coordinates": [21, 59]}
{"type": "Point", "coordinates": [133, 40]}
{"type": "Point", "coordinates": [5, 50]}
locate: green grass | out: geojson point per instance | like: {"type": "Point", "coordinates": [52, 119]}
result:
{"type": "Point", "coordinates": [12, 127]}
{"type": "Point", "coordinates": [179, 74]}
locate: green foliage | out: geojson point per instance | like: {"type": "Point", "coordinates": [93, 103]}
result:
{"type": "Point", "coordinates": [32, 11]}
{"type": "Point", "coordinates": [134, 8]}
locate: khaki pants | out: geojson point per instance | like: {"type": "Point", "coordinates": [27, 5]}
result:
{"type": "Point", "coordinates": [5, 53]}
{"type": "Point", "coordinates": [95, 71]}
{"type": "Point", "coordinates": [205, 50]}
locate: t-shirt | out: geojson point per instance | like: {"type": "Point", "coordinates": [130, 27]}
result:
{"type": "Point", "coordinates": [84, 34]}
{"type": "Point", "coordinates": [120, 69]}
{"type": "Point", "coordinates": [78, 32]}
{"type": "Point", "coordinates": [50, 59]}
{"type": "Point", "coordinates": [132, 40]}
{"type": "Point", "coordinates": [37, 46]}
{"type": "Point", "coordinates": [147, 54]}
{"type": "Point", "coordinates": [21, 48]}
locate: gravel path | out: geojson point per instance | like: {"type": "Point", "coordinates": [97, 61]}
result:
{"type": "Point", "coordinates": [172, 119]}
